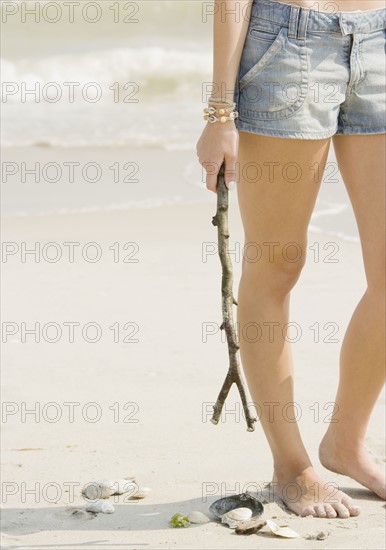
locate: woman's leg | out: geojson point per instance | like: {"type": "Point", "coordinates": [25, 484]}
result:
{"type": "Point", "coordinates": [275, 210]}
{"type": "Point", "coordinates": [361, 161]}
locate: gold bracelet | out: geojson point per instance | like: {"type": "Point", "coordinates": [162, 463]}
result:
{"type": "Point", "coordinates": [221, 100]}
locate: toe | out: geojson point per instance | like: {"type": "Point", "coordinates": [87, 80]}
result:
{"type": "Point", "coordinates": [320, 511]}
{"type": "Point", "coordinates": [341, 510]}
{"type": "Point", "coordinates": [351, 506]}
{"type": "Point", "coordinates": [309, 511]}
{"type": "Point", "coordinates": [331, 513]}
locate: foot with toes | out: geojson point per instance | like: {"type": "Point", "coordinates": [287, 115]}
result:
{"type": "Point", "coordinates": [305, 493]}
{"type": "Point", "coordinates": [352, 461]}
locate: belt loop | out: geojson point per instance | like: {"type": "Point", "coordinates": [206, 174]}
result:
{"type": "Point", "coordinates": [302, 27]}
{"type": "Point", "coordinates": [293, 21]}
{"type": "Point", "coordinates": [342, 24]}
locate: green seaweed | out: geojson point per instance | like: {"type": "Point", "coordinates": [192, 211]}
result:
{"type": "Point", "coordinates": [178, 520]}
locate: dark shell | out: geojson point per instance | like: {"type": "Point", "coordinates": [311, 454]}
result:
{"type": "Point", "coordinates": [244, 500]}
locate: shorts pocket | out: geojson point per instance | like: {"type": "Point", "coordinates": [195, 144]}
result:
{"type": "Point", "coordinates": [272, 79]}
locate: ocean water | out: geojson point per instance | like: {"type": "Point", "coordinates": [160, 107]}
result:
{"type": "Point", "coordinates": [119, 74]}
{"type": "Point", "coordinates": [133, 77]}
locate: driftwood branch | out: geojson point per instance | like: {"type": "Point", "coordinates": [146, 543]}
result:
{"type": "Point", "coordinates": [234, 375]}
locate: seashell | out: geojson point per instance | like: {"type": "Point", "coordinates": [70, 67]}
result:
{"type": "Point", "coordinates": [198, 517]}
{"type": "Point", "coordinates": [232, 523]}
{"type": "Point", "coordinates": [240, 514]}
{"type": "Point", "coordinates": [124, 486]}
{"type": "Point", "coordinates": [322, 535]}
{"type": "Point", "coordinates": [105, 488]}
{"type": "Point", "coordinates": [285, 532]}
{"type": "Point", "coordinates": [100, 506]}
{"type": "Point", "coordinates": [98, 489]}
{"type": "Point", "coordinates": [244, 500]}
{"type": "Point", "coordinates": [141, 492]}
{"type": "Point", "coordinates": [250, 527]}
{"type": "Point", "coordinates": [319, 536]}
{"type": "Point", "coordinates": [129, 478]}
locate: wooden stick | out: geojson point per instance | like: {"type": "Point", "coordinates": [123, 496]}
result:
{"type": "Point", "coordinates": [234, 374]}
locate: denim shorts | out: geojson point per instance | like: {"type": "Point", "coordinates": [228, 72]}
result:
{"type": "Point", "coordinates": [308, 74]}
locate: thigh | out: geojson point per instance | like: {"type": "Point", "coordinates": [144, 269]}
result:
{"type": "Point", "coordinates": [279, 179]}
{"type": "Point", "coordinates": [362, 161]}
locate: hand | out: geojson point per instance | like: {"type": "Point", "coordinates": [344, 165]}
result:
{"type": "Point", "coordinates": [218, 142]}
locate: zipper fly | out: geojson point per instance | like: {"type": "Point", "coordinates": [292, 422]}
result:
{"type": "Point", "coordinates": [356, 70]}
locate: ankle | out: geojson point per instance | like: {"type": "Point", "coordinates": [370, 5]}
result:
{"type": "Point", "coordinates": [283, 473]}
{"type": "Point", "coordinates": [339, 443]}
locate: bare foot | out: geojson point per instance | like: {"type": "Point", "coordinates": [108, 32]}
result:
{"type": "Point", "coordinates": [356, 464]}
{"type": "Point", "coordinates": [307, 494]}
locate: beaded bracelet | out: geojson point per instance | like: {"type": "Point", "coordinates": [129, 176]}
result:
{"type": "Point", "coordinates": [220, 111]}
{"type": "Point", "coordinates": [222, 119]}
{"type": "Point", "coordinates": [210, 112]}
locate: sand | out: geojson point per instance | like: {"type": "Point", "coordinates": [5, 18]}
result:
{"type": "Point", "coordinates": [141, 407]}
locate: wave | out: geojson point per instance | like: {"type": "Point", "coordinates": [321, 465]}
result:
{"type": "Point", "coordinates": [161, 109]}
{"type": "Point", "coordinates": [151, 202]}
{"type": "Point", "coordinates": [154, 70]}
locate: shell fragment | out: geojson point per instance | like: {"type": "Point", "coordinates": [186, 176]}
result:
{"type": "Point", "coordinates": [243, 500]}
{"type": "Point", "coordinates": [141, 492]}
{"type": "Point", "coordinates": [250, 527]}
{"type": "Point", "coordinates": [100, 506]}
{"type": "Point", "coordinates": [98, 489]}
{"type": "Point", "coordinates": [124, 486]}
{"type": "Point", "coordinates": [105, 488]}
{"type": "Point", "coordinates": [234, 517]}
{"type": "Point", "coordinates": [198, 517]}
{"type": "Point", "coordinates": [284, 532]}
{"type": "Point", "coordinates": [240, 514]}
{"type": "Point", "coordinates": [232, 523]}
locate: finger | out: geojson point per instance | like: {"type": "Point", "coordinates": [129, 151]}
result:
{"type": "Point", "coordinates": [211, 182]}
{"type": "Point", "coordinates": [230, 171]}
{"type": "Point", "coordinates": [212, 170]}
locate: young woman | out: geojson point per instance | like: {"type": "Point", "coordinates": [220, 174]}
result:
{"type": "Point", "coordinates": [298, 74]}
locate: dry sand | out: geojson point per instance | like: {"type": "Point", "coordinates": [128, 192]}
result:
{"type": "Point", "coordinates": [151, 394]}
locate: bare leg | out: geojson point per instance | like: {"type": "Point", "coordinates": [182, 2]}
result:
{"type": "Point", "coordinates": [362, 163]}
{"type": "Point", "coordinates": [277, 209]}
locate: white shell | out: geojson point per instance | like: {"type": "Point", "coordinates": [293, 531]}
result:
{"type": "Point", "coordinates": [285, 532]}
{"type": "Point", "coordinates": [232, 523]}
{"type": "Point", "coordinates": [198, 517]}
{"type": "Point", "coordinates": [129, 478]}
{"type": "Point", "coordinates": [100, 506]}
{"type": "Point", "coordinates": [123, 486]}
{"type": "Point", "coordinates": [98, 489]}
{"type": "Point", "coordinates": [105, 488]}
{"type": "Point", "coordinates": [141, 492]}
{"type": "Point", "coordinates": [240, 514]}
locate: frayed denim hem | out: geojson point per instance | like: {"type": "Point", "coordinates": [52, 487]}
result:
{"type": "Point", "coordinates": [244, 127]}
{"type": "Point", "coordinates": [358, 131]}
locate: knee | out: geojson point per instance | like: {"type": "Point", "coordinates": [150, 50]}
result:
{"type": "Point", "coordinates": [376, 292]}
{"type": "Point", "coordinates": [276, 277]}
{"type": "Point", "coordinates": [376, 283]}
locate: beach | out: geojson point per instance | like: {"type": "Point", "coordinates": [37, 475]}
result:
{"type": "Point", "coordinates": [128, 363]}
{"type": "Point", "coordinates": [112, 352]}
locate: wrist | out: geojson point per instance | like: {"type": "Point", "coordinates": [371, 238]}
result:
{"type": "Point", "coordinates": [220, 110]}
{"type": "Point", "coordinates": [228, 125]}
